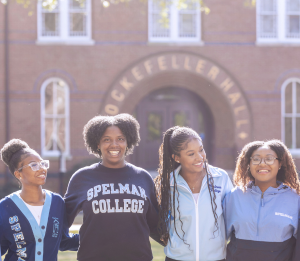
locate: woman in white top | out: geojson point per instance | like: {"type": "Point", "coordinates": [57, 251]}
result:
{"type": "Point", "coordinates": [190, 194]}
{"type": "Point", "coordinates": [33, 223]}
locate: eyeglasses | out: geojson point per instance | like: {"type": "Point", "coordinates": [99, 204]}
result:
{"type": "Point", "coordinates": [268, 160]}
{"type": "Point", "coordinates": [37, 165]}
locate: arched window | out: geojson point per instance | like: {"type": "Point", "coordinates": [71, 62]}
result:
{"type": "Point", "coordinates": [55, 133]}
{"type": "Point", "coordinates": [290, 111]}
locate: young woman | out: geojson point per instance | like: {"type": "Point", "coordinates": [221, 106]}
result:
{"type": "Point", "coordinates": [190, 194]}
{"type": "Point", "coordinates": [33, 224]}
{"type": "Point", "coordinates": [117, 198]}
{"type": "Point", "coordinates": [261, 214]}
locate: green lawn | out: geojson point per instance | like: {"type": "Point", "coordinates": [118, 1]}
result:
{"type": "Point", "coordinates": [158, 253]}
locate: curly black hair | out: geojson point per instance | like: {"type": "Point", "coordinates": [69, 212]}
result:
{"type": "Point", "coordinates": [287, 173]}
{"type": "Point", "coordinates": [12, 153]}
{"type": "Point", "coordinates": [175, 140]}
{"type": "Point", "coordinates": [95, 128]}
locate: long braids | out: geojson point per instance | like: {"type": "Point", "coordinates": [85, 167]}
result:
{"type": "Point", "coordinates": [173, 141]}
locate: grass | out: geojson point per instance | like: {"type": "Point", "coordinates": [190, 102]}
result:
{"type": "Point", "coordinates": [157, 250]}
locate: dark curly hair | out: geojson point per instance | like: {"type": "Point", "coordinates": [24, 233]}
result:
{"type": "Point", "coordinates": [175, 140]}
{"type": "Point", "coordinates": [95, 128]}
{"type": "Point", "coordinates": [12, 153]}
{"type": "Point", "coordinates": [286, 174]}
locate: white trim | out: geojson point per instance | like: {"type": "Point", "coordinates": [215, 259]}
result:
{"type": "Point", "coordinates": [294, 115]}
{"type": "Point", "coordinates": [174, 24]}
{"type": "Point", "coordinates": [281, 26]}
{"type": "Point", "coordinates": [55, 153]}
{"type": "Point", "coordinates": [64, 26]}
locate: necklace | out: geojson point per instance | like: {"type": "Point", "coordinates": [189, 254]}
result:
{"type": "Point", "coordinates": [196, 184]}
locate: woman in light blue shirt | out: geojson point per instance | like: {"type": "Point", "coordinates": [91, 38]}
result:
{"type": "Point", "coordinates": [190, 194]}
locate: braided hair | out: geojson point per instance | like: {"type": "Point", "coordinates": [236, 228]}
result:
{"type": "Point", "coordinates": [287, 173]}
{"type": "Point", "coordinates": [174, 141]}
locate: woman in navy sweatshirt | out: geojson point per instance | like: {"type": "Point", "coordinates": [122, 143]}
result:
{"type": "Point", "coordinates": [117, 198]}
{"type": "Point", "coordinates": [261, 214]}
{"type": "Point", "coordinates": [33, 223]}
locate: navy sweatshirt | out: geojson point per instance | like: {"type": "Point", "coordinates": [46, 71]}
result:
{"type": "Point", "coordinates": [24, 239]}
{"type": "Point", "coordinates": [119, 212]}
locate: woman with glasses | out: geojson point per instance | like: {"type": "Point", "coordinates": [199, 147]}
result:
{"type": "Point", "coordinates": [33, 223]}
{"type": "Point", "coordinates": [261, 214]}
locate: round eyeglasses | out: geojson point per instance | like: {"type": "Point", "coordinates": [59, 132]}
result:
{"type": "Point", "coordinates": [35, 166]}
{"type": "Point", "coordinates": [268, 160]}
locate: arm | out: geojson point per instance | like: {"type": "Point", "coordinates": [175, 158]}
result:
{"type": "Point", "coordinates": [226, 213]}
{"type": "Point", "coordinates": [69, 241]}
{"type": "Point", "coordinates": [296, 255]}
{"type": "Point", "coordinates": [72, 200]}
{"type": "Point", "coordinates": [3, 244]}
{"type": "Point", "coordinates": [152, 217]}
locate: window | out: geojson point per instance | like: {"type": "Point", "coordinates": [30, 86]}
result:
{"type": "Point", "coordinates": [278, 21]}
{"type": "Point", "coordinates": [55, 135]}
{"type": "Point", "coordinates": [290, 111]}
{"type": "Point", "coordinates": [182, 24]}
{"type": "Point", "coordinates": [69, 21]}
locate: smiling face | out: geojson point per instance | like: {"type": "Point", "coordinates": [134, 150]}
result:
{"type": "Point", "coordinates": [192, 157]}
{"type": "Point", "coordinates": [113, 146]}
{"type": "Point", "coordinates": [262, 172]}
{"type": "Point", "coordinates": [27, 176]}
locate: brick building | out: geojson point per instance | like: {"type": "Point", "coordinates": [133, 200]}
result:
{"type": "Point", "coordinates": [233, 75]}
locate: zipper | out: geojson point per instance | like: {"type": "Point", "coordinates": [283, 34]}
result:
{"type": "Point", "coordinates": [260, 205]}
{"type": "Point", "coordinates": [197, 216]}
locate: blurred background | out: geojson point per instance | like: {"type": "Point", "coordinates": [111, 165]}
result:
{"type": "Point", "coordinates": [228, 69]}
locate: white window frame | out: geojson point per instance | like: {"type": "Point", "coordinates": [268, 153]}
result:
{"type": "Point", "coordinates": [294, 151]}
{"type": "Point", "coordinates": [281, 26]}
{"type": "Point", "coordinates": [64, 26]}
{"type": "Point", "coordinates": [55, 153]}
{"type": "Point", "coordinates": [174, 30]}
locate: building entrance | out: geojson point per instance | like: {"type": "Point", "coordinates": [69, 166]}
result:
{"type": "Point", "coordinates": [163, 109]}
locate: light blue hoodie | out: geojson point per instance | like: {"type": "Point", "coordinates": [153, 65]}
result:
{"type": "Point", "coordinates": [198, 220]}
{"type": "Point", "coordinates": [271, 216]}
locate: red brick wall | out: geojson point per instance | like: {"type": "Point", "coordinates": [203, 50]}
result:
{"type": "Point", "coordinates": [120, 34]}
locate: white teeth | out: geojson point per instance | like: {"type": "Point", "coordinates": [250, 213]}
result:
{"type": "Point", "coordinates": [263, 170]}
{"type": "Point", "coordinates": [198, 164]}
{"type": "Point", "coordinates": [114, 153]}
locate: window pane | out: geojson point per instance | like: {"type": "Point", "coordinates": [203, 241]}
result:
{"type": "Point", "coordinates": [201, 126]}
{"type": "Point", "coordinates": [50, 24]}
{"type": "Point", "coordinates": [77, 4]}
{"type": "Point", "coordinates": [268, 24]}
{"type": "Point", "coordinates": [159, 28]}
{"type": "Point", "coordinates": [288, 132]}
{"type": "Point", "coordinates": [298, 98]}
{"type": "Point", "coordinates": [61, 125]}
{"type": "Point", "coordinates": [293, 5]}
{"type": "Point", "coordinates": [78, 24]}
{"type": "Point", "coordinates": [268, 5]}
{"type": "Point", "coordinates": [288, 98]}
{"type": "Point", "coordinates": [154, 126]}
{"type": "Point", "coordinates": [181, 119]}
{"type": "Point", "coordinates": [187, 25]}
{"type": "Point", "coordinates": [49, 99]}
{"type": "Point", "coordinates": [293, 23]}
{"type": "Point", "coordinates": [298, 132]}
{"type": "Point", "coordinates": [61, 102]}
{"type": "Point", "coordinates": [48, 134]}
